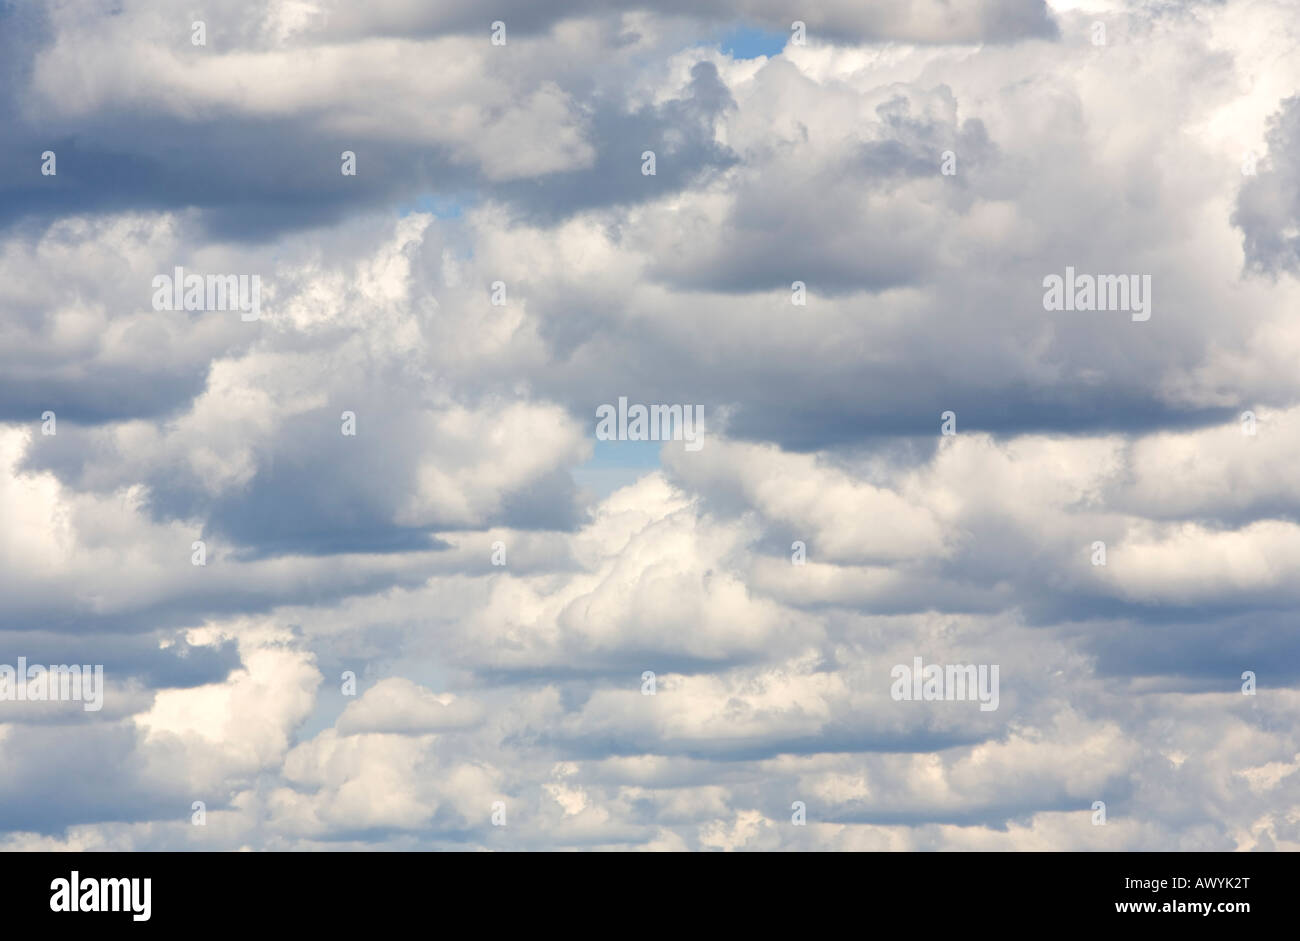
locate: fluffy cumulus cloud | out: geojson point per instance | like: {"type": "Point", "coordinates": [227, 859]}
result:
{"type": "Point", "coordinates": [360, 572]}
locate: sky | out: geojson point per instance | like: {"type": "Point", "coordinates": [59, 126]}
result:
{"type": "Point", "coordinates": [436, 610]}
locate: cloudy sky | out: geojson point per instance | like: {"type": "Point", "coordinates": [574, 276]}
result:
{"type": "Point", "coordinates": [497, 579]}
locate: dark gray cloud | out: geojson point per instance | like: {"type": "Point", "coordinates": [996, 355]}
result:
{"type": "Point", "coordinates": [909, 20]}
{"type": "Point", "coordinates": [679, 132]}
{"type": "Point", "coordinates": [1268, 206]}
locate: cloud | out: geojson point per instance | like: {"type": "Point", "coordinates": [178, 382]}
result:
{"type": "Point", "coordinates": [1268, 205]}
{"type": "Point", "coordinates": [431, 634]}
{"type": "Point", "coordinates": [397, 705]}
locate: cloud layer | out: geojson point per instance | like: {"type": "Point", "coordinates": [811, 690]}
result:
{"type": "Point", "coordinates": [471, 624]}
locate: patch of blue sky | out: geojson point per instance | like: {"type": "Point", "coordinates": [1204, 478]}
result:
{"type": "Point", "coordinates": [748, 42]}
{"type": "Point", "coordinates": [616, 464]}
{"type": "Point", "coordinates": [442, 207]}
